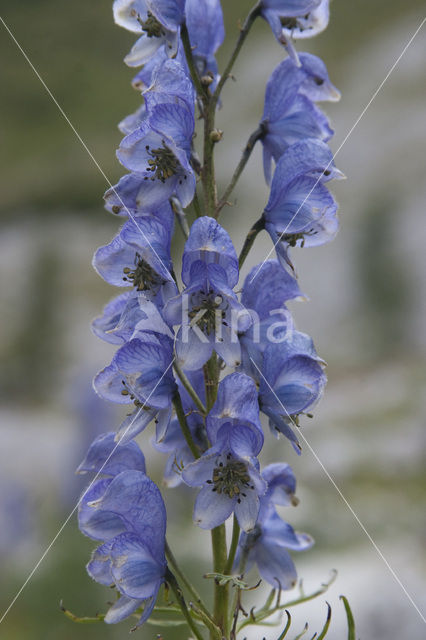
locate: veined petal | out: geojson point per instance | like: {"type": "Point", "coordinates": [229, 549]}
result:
{"type": "Point", "coordinates": [212, 508]}
{"type": "Point", "coordinates": [135, 571]}
{"type": "Point", "coordinates": [99, 567]}
{"type": "Point", "coordinates": [121, 609]}
{"type": "Point", "coordinates": [109, 458]}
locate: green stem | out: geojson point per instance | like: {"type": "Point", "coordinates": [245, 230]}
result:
{"type": "Point", "coordinates": [182, 604]}
{"type": "Point", "coordinates": [208, 170]}
{"type": "Point", "coordinates": [254, 13]}
{"type": "Point", "coordinates": [184, 425]}
{"type": "Point", "coordinates": [197, 206]}
{"type": "Point", "coordinates": [211, 377]}
{"type": "Point", "coordinates": [221, 592]}
{"type": "Point", "coordinates": [251, 237]}
{"type": "Point", "coordinates": [233, 547]}
{"type": "Point", "coordinates": [191, 64]}
{"type": "Point", "coordinates": [190, 389]}
{"type": "Point", "coordinates": [255, 136]}
{"type": "Point", "coordinates": [184, 581]}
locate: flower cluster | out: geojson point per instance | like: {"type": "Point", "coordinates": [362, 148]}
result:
{"type": "Point", "coordinates": [173, 341]}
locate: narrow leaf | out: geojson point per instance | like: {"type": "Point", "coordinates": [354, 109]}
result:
{"type": "Point", "coordinates": [327, 624]}
{"type": "Point", "coordinates": [351, 621]}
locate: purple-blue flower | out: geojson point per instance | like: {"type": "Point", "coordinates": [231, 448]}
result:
{"type": "Point", "coordinates": [204, 19]}
{"type": "Point", "coordinates": [125, 510]}
{"type": "Point", "coordinates": [158, 22]}
{"type": "Point", "coordinates": [158, 155]}
{"type": "Point", "coordinates": [290, 114]}
{"type": "Point", "coordinates": [291, 382]}
{"type": "Point", "coordinates": [228, 472]}
{"type": "Point", "coordinates": [139, 256]}
{"type": "Point", "coordinates": [268, 544]}
{"type": "Point", "coordinates": [300, 210]}
{"type": "Point", "coordinates": [265, 292]}
{"type": "Point", "coordinates": [293, 19]}
{"type": "Point", "coordinates": [141, 374]}
{"type": "Point", "coordinates": [208, 308]}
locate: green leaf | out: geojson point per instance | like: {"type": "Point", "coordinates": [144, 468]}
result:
{"type": "Point", "coordinates": [163, 622]}
{"type": "Point", "coordinates": [349, 616]}
{"type": "Point", "coordinates": [303, 632]}
{"type": "Point", "coordinates": [223, 579]}
{"type": "Point", "coordinates": [327, 624]}
{"type": "Point", "coordinates": [81, 620]}
{"type": "Point", "coordinates": [287, 626]}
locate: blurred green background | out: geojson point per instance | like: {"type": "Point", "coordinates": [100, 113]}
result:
{"type": "Point", "coordinates": [366, 311]}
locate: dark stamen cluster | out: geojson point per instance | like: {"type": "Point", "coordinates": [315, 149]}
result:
{"type": "Point", "coordinates": [143, 276]}
{"type": "Point", "coordinates": [209, 303]}
{"type": "Point", "coordinates": [293, 23]}
{"type": "Point", "coordinates": [231, 478]}
{"type": "Point", "coordinates": [163, 163]}
{"type": "Point", "coordinates": [125, 392]}
{"type": "Point", "coordinates": [151, 26]}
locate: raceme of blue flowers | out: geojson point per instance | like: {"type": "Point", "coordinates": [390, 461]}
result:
{"type": "Point", "coordinates": [173, 336]}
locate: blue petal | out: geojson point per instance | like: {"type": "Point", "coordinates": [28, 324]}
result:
{"type": "Point", "coordinates": [106, 325]}
{"type": "Point", "coordinates": [126, 13]}
{"type": "Point", "coordinates": [204, 19]}
{"type": "Point", "coordinates": [108, 383]}
{"type": "Point", "coordinates": [197, 473]}
{"type": "Point", "coordinates": [121, 609]}
{"type": "Point", "coordinates": [99, 525]}
{"type": "Point", "coordinates": [268, 288]}
{"type": "Point", "coordinates": [310, 157]}
{"type": "Point", "coordinates": [317, 85]}
{"type": "Point", "coordinates": [212, 508]}
{"type": "Point", "coordinates": [209, 242]}
{"type": "Point", "coordinates": [275, 566]}
{"type": "Point", "coordinates": [247, 510]}
{"type": "Point", "coordinates": [281, 483]}
{"type": "Point", "coordinates": [134, 423]}
{"type": "Point", "coordinates": [99, 567]}
{"type": "Point", "coordinates": [169, 12]}
{"type": "Point", "coordinates": [143, 49]}
{"type": "Point", "coordinates": [109, 458]}
{"type": "Point", "coordinates": [136, 499]}
{"type": "Point", "coordinates": [236, 404]}
{"type": "Point", "coordinates": [193, 348]}
{"type": "Point", "coordinates": [136, 573]}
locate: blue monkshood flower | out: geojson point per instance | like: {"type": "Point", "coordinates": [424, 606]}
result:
{"type": "Point", "coordinates": [141, 374]}
{"type": "Point", "coordinates": [300, 210]}
{"type": "Point", "coordinates": [289, 113]}
{"type": "Point", "coordinates": [158, 22]}
{"type": "Point", "coordinates": [267, 545]}
{"type": "Point", "coordinates": [291, 382]}
{"type": "Point", "coordinates": [293, 19]}
{"type": "Point", "coordinates": [266, 290]}
{"type": "Point", "coordinates": [204, 19]}
{"type": "Point", "coordinates": [316, 84]}
{"type": "Point", "coordinates": [168, 82]}
{"type": "Point", "coordinates": [131, 521]}
{"type": "Point", "coordinates": [139, 256]}
{"type": "Point", "coordinates": [125, 316]}
{"type": "Point", "coordinates": [106, 459]}
{"type": "Point", "coordinates": [158, 155]}
{"type": "Point", "coordinates": [208, 309]}
{"type": "Point", "coordinates": [174, 442]}
{"type": "Point", "coordinates": [228, 472]}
